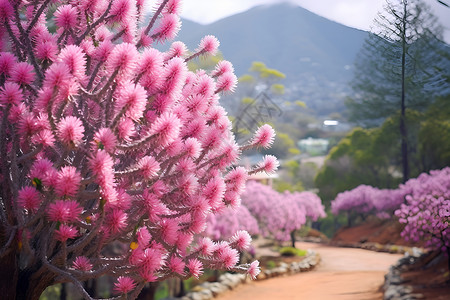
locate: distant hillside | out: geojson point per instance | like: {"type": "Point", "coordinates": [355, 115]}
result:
{"type": "Point", "coordinates": [316, 54]}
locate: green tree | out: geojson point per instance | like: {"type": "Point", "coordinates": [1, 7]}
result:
{"type": "Point", "coordinates": [395, 69]}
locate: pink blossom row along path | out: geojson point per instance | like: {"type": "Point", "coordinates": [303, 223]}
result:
{"type": "Point", "coordinates": [343, 274]}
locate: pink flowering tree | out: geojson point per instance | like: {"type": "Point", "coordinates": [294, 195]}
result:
{"type": "Point", "coordinates": [426, 213]}
{"type": "Point", "coordinates": [277, 214]}
{"type": "Point", "coordinates": [113, 153]}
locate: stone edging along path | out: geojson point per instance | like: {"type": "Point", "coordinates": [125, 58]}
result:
{"type": "Point", "coordinates": [229, 281]}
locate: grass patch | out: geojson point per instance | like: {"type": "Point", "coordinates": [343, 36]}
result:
{"type": "Point", "coordinates": [291, 251]}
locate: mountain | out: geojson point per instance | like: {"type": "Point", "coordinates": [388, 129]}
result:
{"type": "Point", "coordinates": [314, 53]}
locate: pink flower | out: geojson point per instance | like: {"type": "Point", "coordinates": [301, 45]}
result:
{"type": "Point", "coordinates": [47, 50]}
{"type": "Point", "coordinates": [122, 10]}
{"type": "Point", "coordinates": [214, 191]}
{"type": "Point", "coordinates": [177, 49]}
{"type": "Point", "coordinates": [241, 239]}
{"type": "Point", "coordinates": [104, 138]}
{"type": "Point", "coordinates": [101, 165]}
{"type": "Point", "coordinates": [236, 179]}
{"type": "Point", "coordinates": [226, 82]}
{"type": "Point", "coordinates": [103, 51]}
{"type": "Point", "coordinates": [116, 220]}
{"type": "Point", "coordinates": [228, 257]}
{"type": "Point", "coordinates": [70, 130]}
{"type": "Point", "coordinates": [82, 263]}
{"type": "Point", "coordinates": [176, 265]}
{"type": "Point", "coordinates": [222, 67]}
{"type": "Point", "coordinates": [68, 181]}
{"type": "Point", "coordinates": [22, 73]}
{"type": "Point", "coordinates": [73, 57]}
{"type": "Point", "coordinates": [169, 231]}
{"type": "Point", "coordinates": [57, 76]}
{"type": "Point", "coordinates": [124, 58]}
{"type": "Point", "coordinates": [125, 128]}
{"type": "Point", "coordinates": [143, 236]}
{"type": "Point", "coordinates": [172, 7]}
{"type": "Point", "coordinates": [168, 27]}
{"type": "Point", "coordinates": [149, 167]}
{"type": "Point", "coordinates": [10, 94]}
{"type": "Point", "coordinates": [173, 76]}
{"type": "Point", "coordinates": [151, 62]}
{"type": "Point", "coordinates": [269, 164]}
{"type": "Point", "coordinates": [209, 44]}
{"type": "Point", "coordinates": [124, 285]}
{"type": "Point", "coordinates": [134, 98]}
{"type": "Point", "coordinates": [205, 247]}
{"type": "Point", "coordinates": [64, 211]}
{"type": "Point", "coordinates": [195, 267]}
{"type": "Point", "coordinates": [6, 10]}
{"type": "Point", "coordinates": [7, 60]}
{"type": "Point", "coordinates": [264, 136]}
{"type": "Point", "coordinates": [192, 147]}
{"type": "Point", "coordinates": [253, 269]}
{"type": "Point", "coordinates": [66, 17]}
{"type": "Point", "coordinates": [65, 232]}
{"type": "Point", "coordinates": [167, 128]}
{"type": "Point", "coordinates": [29, 198]}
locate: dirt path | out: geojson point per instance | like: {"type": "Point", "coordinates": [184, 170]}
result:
{"type": "Point", "coordinates": [343, 274]}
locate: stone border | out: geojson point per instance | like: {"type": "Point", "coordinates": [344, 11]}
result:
{"type": "Point", "coordinates": [395, 288]}
{"type": "Point", "coordinates": [395, 249]}
{"type": "Point", "coordinates": [229, 281]}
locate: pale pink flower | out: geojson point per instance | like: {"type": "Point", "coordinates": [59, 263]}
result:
{"type": "Point", "coordinates": [263, 137]}
{"type": "Point", "coordinates": [122, 10]}
{"type": "Point", "coordinates": [222, 67]}
{"type": "Point", "coordinates": [151, 260]}
{"type": "Point", "coordinates": [65, 232]}
{"type": "Point", "coordinates": [172, 7]}
{"type": "Point", "coordinates": [103, 51]}
{"type": "Point", "coordinates": [101, 165]}
{"type": "Point", "coordinates": [22, 73]}
{"type": "Point", "coordinates": [66, 17]}
{"type": "Point", "coordinates": [125, 129]}
{"type": "Point", "coordinates": [253, 269]}
{"type": "Point", "coordinates": [68, 181]}
{"type": "Point", "coordinates": [104, 138]}
{"type": "Point", "coordinates": [195, 267]}
{"type": "Point", "coordinates": [176, 265]}
{"type": "Point", "coordinates": [29, 198]}
{"type": "Point", "coordinates": [134, 98]}
{"type": "Point", "coordinates": [184, 240]}
{"type": "Point", "coordinates": [151, 62]}
{"type": "Point", "coordinates": [241, 240]}
{"type": "Point", "coordinates": [153, 205]}
{"type": "Point", "coordinates": [173, 76]}
{"type": "Point", "coordinates": [27, 124]}
{"type": "Point", "coordinates": [148, 167]}
{"type": "Point", "coordinates": [197, 104]}
{"type": "Point", "coordinates": [232, 198]}
{"type": "Point", "coordinates": [143, 236]}
{"type": "Point", "coordinates": [45, 138]}
{"type": "Point", "coordinates": [192, 147]}
{"type": "Point", "coordinates": [168, 27]}
{"type": "Point", "coordinates": [205, 247]}
{"type": "Point", "coordinates": [82, 263]}
{"type": "Point", "coordinates": [236, 179]}
{"type": "Point", "coordinates": [194, 129]}
{"type": "Point", "coordinates": [209, 44]}
{"type": "Point", "coordinates": [229, 257]}
{"type": "Point", "coordinates": [123, 58]}
{"type": "Point", "coordinates": [10, 94]}
{"type": "Point", "coordinates": [269, 164]}
{"type": "Point", "coordinates": [124, 284]}
{"type": "Point", "coordinates": [70, 130]}
{"type": "Point", "coordinates": [167, 128]}
{"type": "Point", "coordinates": [214, 191]}
{"type": "Point", "coordinates": [226, 82]}
{"type": "Point", "coordinates": [177, 49]}
{"type": "Point", "coordinates": [169, 231]}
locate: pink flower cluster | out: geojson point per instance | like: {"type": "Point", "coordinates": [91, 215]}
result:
{"type": "Point", "coordinates": [422, 204]}
{"type": "Point", "coordinates": [107, 142]}
{"type": "Point", "coordinates": [278, 214]}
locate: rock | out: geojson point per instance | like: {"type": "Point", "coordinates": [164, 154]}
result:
{"type": "Point", "coordinates": [218, 288]}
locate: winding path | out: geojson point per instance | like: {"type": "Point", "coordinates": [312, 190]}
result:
{"type": "Point", "coordinates": [343, 274]}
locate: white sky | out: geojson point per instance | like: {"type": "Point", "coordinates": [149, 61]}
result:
{"type": "Point", "coordinates": [353, 13]}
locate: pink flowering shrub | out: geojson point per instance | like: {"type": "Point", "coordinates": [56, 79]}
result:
{"type": "Point", "coordinates": [113, 153]}
{"type": "Point", "coordinates": [426, 213]}
{"type": "Point", "coordinates": [280, 214]}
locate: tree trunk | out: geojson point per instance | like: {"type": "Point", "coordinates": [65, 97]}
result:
{"type": "Point", "coordinates": [293, 238]}
{"type": "Point", "coordinates": [403, 131]}
{"type": "Point", "coordinates": [30, 288]}
{"type": "Point", "coordinates": [8, 276]}
{"type": "Point", "coordinates": [148, 292]}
